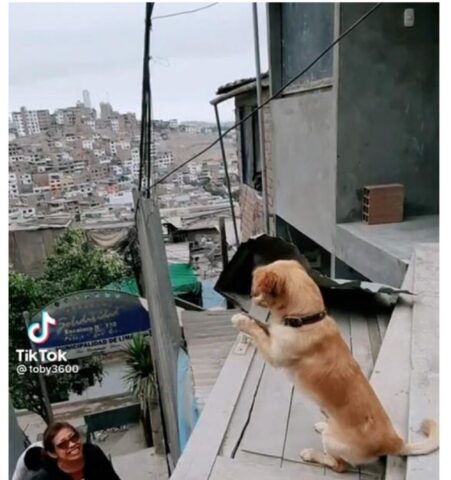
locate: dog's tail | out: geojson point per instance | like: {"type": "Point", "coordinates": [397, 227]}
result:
{"type": "Point", "coordinates": [430, 429]}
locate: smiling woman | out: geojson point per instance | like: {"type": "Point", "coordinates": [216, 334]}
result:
{"type": "Point", "coordinates": [67, 458]}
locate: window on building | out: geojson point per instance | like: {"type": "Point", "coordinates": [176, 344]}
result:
{"type": "Point", "coordinates": [306, 29]}
{"type": "Point", "coordinates": [250, 148]}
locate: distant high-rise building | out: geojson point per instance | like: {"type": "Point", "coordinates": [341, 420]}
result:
{"type": "Point", "coordinates": [44, 119]}
{"type": "Point", "coordinates": [30, 122]}
{"type": "Point", "coordinates": [86, 99]}
{"type": "Point", "coordinates": [106, 110]}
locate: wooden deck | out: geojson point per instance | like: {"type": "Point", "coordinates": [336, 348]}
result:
{"type": "Point", "coordinates": [255, 423]}
{"type": "Point", "coordinates": [209, 337]}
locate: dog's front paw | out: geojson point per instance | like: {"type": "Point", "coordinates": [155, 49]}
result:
{"type": "Point", "coordinates": [320, 426]}
{"type": "Point", "coordinates": [307, 454]}
{"type": "Point", "coordinates": [241, 322]}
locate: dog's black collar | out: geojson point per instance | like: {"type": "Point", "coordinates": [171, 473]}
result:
{"type": "Point", "coordinates": [296, 322]}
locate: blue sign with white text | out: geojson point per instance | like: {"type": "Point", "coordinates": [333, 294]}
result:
{"type": "Point", "coordinates": [88, 318]}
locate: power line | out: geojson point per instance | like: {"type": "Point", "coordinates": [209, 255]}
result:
{"type": "Point", "coordinates": [185, 12]}
{"type": "Point", "coordinates": [281, 89]}
{"type": "Point", "coordinates": [145, 167]}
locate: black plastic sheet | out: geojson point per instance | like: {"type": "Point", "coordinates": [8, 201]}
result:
{"type": "Point", "coordinates": [235, 280]}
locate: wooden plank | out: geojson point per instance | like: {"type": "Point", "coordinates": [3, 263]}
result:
{"type": "Point", "coordinates": [243, 409]}
{"type": "Point", "coordinates": [360, 341]}
{"type": "Point", "coordinates": [343, 322]}
{"type": "Point", "coordinates": [382, 323]}
{"type": "Point", "coordinates": [200, 453]}
{"type": "Point", "coordinates": [424, 404]}
{"type": "Point", "coordinates": [424, 381]}
{"type": "Point", "coordinates": [391, 375]}
{"type": "Point", "coordinates": [374, 335]}
{"type": "Point", "coordinates": [268, 423]}
{"type": "Point", "coordinates": [258, 459]}
{"type": "Point", "coordinates": [426, 272]}
{"type": "Point", "coordinates": [328, 474]}
{"type": "Point", "coordinates": [232, 469]}
{"type": "Point", "coordinates": [301, 434]}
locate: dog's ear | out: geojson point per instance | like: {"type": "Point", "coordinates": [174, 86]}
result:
{"type": "Point", "coordinates": [267, 282]}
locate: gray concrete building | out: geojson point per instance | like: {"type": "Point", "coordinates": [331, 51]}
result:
{"type": "Point", "coordinates": [106, 110]}
{"type": "Point", "coordinates": [30, 122]}
{"type": "Point", "coordinates": [365, 114]}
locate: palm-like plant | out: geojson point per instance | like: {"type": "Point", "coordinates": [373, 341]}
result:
{"type": "Point", "coordinates": [140, 372]}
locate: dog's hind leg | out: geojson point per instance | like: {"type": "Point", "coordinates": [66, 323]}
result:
{"type": "Point", "coordinates": [312, 455]}
{"type": "Point", "coordinates": [351, 455]}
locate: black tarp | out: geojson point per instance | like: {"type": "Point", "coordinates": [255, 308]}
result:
{"type": "Point", "coordinates": [235, 281]}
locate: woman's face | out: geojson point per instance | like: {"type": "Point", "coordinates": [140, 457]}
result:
{"type": "Point", "coordinates": [67, 444]}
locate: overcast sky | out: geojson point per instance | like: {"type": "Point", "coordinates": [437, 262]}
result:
{"type": "Point", "coordinates": [57, 50]}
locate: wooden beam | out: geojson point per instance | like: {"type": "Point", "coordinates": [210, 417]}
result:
{"type": "Point", "coordinates": [391, 374]}
{"type": "Point", "coordinates": [228, 469]}
{"type": "Point", "coordinates": [203, 446]}
{"type": "Point", "coordinates": [166, 331]}
{"type": "Point", "coordinates": [424, 380]}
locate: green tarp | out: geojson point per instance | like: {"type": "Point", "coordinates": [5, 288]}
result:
{"type": "Point", "coordinates": [183, 281]}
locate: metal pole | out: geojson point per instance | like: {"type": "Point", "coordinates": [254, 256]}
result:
{"type": "Point", "coordinates": [225, 257]}
{"type": "Point", "coordinates": [226, 171]}
{"type": "Point", "coordinates": [260, 119]}
{"type": "Point", "coordinates": [149, 8]}
{"type": "Point", "coordinates": [41, 378]}
{"type": "Point", "coordinates": [145, 84]}
{"type": "Point", "coordinates": [224, 253]}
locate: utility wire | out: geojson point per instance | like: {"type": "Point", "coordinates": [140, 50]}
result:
{"type": "Point", "coordinates": [281, 89]}
{"type": "Point", "coordinates": [185, 12]}
{"type": "Point", "coordinates": [145, 167]}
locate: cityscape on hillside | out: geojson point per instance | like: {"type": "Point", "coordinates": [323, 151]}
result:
{"type": "Point", "coordinates": [80, 165]}
{"type": "Point", "coordinates": [187, 298]}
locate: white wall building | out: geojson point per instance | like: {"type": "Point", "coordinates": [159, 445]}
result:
{"type": "Point", "coordinates": [121, 198]}
{"type": "Point", "coordinates": [26, 122]}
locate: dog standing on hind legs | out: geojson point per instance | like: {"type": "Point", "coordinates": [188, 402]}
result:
{"type": "Point", "coordinates": [305, 341]}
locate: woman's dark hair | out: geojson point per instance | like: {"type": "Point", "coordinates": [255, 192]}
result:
{"type": "Point", "coordinates": [33, 458]}
{"type": "Point", "coordinates": [52, 431]}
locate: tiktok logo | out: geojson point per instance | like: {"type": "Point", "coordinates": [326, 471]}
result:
{"type": "Point", "coordinates": [39, 332]}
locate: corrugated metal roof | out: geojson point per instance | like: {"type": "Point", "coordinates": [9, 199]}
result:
{"type": "Point", "coordinates": [177, 252]}
{"type": "Point", "coordinates": [228, 87]}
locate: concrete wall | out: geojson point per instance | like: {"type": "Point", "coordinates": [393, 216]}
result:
{"type": "Point", "coordinates": [304, 162]}
{"type": "Point", "coordinates": [28, 249]}
{"type": "Point", "coordinates": [113, 383]}
{"type": "Point", "coordinates": [388, 107]}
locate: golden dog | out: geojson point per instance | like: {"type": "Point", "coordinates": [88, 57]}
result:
{"type": "Point", "coordinates": [316, 357]}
